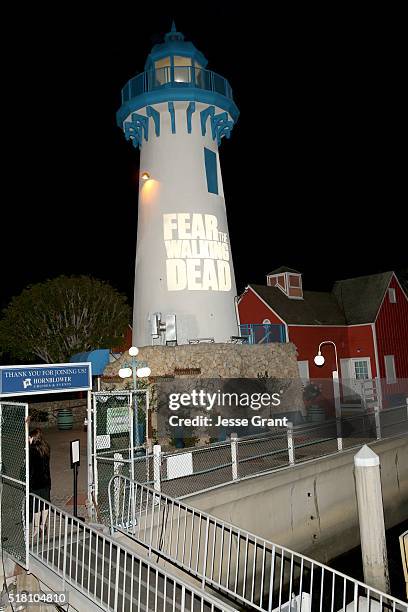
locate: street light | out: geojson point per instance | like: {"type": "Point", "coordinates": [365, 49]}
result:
{"type": "Point", "coordinates": [125, 372]}
{"type": "Point", "coordinates": [137, 369]}
{"type": "Point", "coordinates": [319, 361]}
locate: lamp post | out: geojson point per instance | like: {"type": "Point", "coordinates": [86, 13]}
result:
{"type": "Point", "coordinates": [136, 369]}
{"type": "Point", "coordinates": [319, 361]}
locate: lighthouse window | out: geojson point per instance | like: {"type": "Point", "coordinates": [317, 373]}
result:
{"type": "Point", "coordinates": [198, 75]}
{"type": "Point", "coordinates": [210, 159]}
{"type": "Point", "coordinates": [162, 73]}
{"type": "Point", "coordinates": [182, 69]}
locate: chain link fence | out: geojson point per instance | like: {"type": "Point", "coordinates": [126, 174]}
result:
{"type": "Point", "coordinates": [14, 480]}
{"type": "Point", "coordinates": [185, 471]}
{"type": "Point", "coordinates": [118, 440]}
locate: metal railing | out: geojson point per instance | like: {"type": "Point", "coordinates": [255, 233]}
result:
{"type": "Point", "coordinates": [263, 333]}
{"type": "Point", "coordinates": [109, 574]}
{"type": "Point", "coordinates": [112, 439]}
{"type": "Point", "coordinates": [403, 539]}
{"type": "Point", "coordinates": [253, 571]}
{"type": "Point", "coordinates": [192, 470]}
{"type": "Point", "coordinates": [176, 76]}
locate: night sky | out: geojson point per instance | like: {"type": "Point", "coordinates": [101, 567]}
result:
{"type": "Point", "coordinates": [314, 173]}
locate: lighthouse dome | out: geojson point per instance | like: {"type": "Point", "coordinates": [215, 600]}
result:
{"type": "Point", "coordinates": [176, 71]}
{"type": "Point", "coordinates": [175, 59]}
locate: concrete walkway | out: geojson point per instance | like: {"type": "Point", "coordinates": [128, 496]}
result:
{"type": "Point", "coordinates": [61, 472]}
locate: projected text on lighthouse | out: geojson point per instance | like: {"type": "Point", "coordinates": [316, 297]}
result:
{"type": "Point", "coordinates": [197, 252]}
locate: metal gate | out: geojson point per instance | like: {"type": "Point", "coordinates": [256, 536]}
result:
{"type": "Point", "coordinates": [119, 423]}
{"type": "Point", "coordinates": [14, 480]}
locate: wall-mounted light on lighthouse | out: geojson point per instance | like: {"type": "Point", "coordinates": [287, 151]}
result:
{"type": "Point", "coordinates": [145, 176]}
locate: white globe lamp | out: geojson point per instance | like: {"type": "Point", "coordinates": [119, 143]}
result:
{"type": "Point", "coordinates": [125, 372]}
{"type": "Point", "coordinates": [143, 372]}
{"type": "Point", "coordinates": [319, 359]}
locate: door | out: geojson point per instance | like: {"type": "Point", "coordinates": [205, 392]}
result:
{"type": "Point", "coordinates": [14, 473]}
{"type": "Point", "coordinates": [362, 378]}
{"type": "Point", "coordinates": [356, 379]}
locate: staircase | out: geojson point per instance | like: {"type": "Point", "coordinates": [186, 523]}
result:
{"type": "Point", "coordinates": [250, 572]}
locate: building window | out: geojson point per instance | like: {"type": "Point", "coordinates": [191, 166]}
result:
{"type": "Point", "coordinates": [182, 69]}
{"type": "Point", "coordinates": [303, 367]}
{"type": "Point", "coordinates": [210, 159]}
{"type": "Point", "coordinates": [162, 71]}
{"type": "Point", "coordinates": [361, 369]}
{"type": "Point", "coordinates": [392, 296]}
{"type": "Point", "coordinates": [294, 281]}
{"type": "Point", "coordinates": [390, 374]}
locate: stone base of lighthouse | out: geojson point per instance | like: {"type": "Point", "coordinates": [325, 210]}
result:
{"type": "Point", "coordinates": [195, 366]}
{"type": "Point", "coordinates": [224, 360]}
{"type": "Point", "coordinates": [212, 367]}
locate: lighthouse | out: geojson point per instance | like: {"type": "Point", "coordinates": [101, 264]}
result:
{"type": "Point", "coordinates": [177, 112]}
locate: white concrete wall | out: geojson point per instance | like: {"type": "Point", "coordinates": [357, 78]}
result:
{"type": "Point", "coordinates": [312, 508]}
{"type": "Point", "coordinates": [175, 163]}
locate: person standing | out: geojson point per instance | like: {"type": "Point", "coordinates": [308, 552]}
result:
{"type": "Point", "coordinates": [40, 477]}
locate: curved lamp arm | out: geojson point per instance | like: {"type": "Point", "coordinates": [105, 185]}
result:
{"type": "Point", "coordinates": [335, 351]}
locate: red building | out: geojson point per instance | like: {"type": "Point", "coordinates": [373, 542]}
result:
{"type": "Point", "coordinates": [366, 318]}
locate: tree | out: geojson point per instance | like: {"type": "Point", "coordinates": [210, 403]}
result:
{"type": "Point", "coordinates": [63, 316]}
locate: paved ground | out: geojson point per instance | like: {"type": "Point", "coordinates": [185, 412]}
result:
{"type": "Point", "coordinates": [61, 472]}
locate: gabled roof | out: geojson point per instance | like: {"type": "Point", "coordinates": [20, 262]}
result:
{"type": "Point", "coordinates": [316, 308]}
{"type": "Point", "coordinates": [360, 298]}
{"type": "Point", "coordinates": [283, 269]}
{"type": "Point", "coordinates": [353, 301]}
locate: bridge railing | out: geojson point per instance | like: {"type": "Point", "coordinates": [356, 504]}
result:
{"type": "Point", "coordinates": [403, 539]}
{"type": "Point", "coordinates": [109, 574]}
{"type": "Point", "coordinates": [253, 571]}
{"type": "Point", "coordinates": [183, 472]}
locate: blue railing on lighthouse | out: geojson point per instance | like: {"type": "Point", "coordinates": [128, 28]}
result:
{"type": "Point", "coordinates": [263, 333]}
{"type": "Point", "coordinates": [176, 77]}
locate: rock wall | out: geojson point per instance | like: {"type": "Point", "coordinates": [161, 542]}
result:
{"type": "Point", "coordinates": [78, 407]}
{"type": "Point", "coordinates": [180, 368]}
{"type": "Point", "coordinates": [216, 361]}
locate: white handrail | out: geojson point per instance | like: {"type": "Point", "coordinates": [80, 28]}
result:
{"type": "Point", "coordinates": [252, 570]}
{"type": "Point", "coordinates": [105, 570]}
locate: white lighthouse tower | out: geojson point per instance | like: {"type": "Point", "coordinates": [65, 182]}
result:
{"type": "Point", "coordinates": [177, 112]}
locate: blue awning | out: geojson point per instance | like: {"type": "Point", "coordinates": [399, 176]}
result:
{"type": "Point", "coordinates": [99, 359]}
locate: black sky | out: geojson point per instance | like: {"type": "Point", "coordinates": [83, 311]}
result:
{"type": "Point", "coordinates": [314, 173]}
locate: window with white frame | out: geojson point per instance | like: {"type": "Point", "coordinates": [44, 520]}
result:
{"type": "Point", "coordinates": [361, 369]}
{"type": "Point", "coordinates": [392, 296]}
{"type": "Point", "coordinates": [390, 373]}
{"type": "Point", "coordinates": [303, 367]}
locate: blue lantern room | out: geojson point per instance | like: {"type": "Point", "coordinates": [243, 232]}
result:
{"type": "Point", "coordinates": [176, 70]}
{"type": "Point", "coordinates": [175, 60]}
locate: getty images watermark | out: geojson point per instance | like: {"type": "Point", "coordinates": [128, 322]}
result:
{"type": "Point", "coordinates": [219, 399]}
